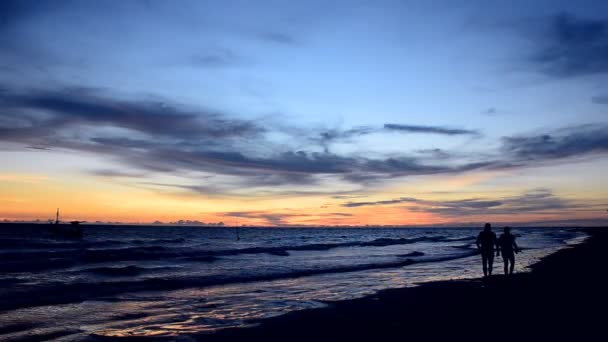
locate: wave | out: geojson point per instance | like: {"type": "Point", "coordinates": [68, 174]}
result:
{"type": "Point", "coordinates": [157, 241]}
{"type": "Point", "coordinates": [35, 265]}
{"type": "Point", "coordinates": [411, 254]}
{"type": "Point", "coordinates": [130, 270]}
{"type": "Point", "coordinates": [284, 250]}
{"type": "Point", "coordinates": [59, 293]}
{"type": "Point", "coordinates": [33, 261]}
{"type": "Point", "coordinates": [54, 244]}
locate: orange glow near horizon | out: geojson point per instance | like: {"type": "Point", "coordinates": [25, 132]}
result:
{"type": "Point", "coordinates": [36, 197]}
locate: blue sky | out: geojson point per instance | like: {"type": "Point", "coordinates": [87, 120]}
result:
{"type": "Point", "coordinates": [211, 98]}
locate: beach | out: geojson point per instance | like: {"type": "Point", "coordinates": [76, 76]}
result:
{"type": "Point", "coordinates": [171, 283]}
{"type": "Point", "coordinates": [564, 297]}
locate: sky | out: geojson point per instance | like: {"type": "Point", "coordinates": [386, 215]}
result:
{"type": "Point", "coordinates": [305, 112]}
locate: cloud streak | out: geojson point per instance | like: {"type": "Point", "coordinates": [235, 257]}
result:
{"type": "Point", "coordinates": [563, 143]}
{"type": "Point", "coordinates": [429, 129]}
{"type": "Point", "coordinates": [278, 219]}
{"type": "Point", "coordinates": [540, 200]}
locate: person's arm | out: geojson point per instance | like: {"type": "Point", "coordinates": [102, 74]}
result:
{"type": "Point", "coordinates": [515, 246]}
{"type": "Point", "coordinates": [478, 242]}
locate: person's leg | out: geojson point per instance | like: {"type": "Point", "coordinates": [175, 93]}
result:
{"type": "Point", "coordinates": [505, 261]}
{"type": "Point", "coordinates": [484, 262]}
{"type": "Point", "coordinates": [512, 260]}
{"type": "Point", "coordinates": [490, 262]}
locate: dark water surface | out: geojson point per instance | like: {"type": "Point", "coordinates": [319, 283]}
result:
{"type": "Point", "coordinates": [171, 281]}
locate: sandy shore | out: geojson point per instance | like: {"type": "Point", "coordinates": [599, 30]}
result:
{"type": "Point", "coordinates": [565, 296]}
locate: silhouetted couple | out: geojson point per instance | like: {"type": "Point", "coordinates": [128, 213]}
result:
{"type": "Point", "coordinates": [486, 241]}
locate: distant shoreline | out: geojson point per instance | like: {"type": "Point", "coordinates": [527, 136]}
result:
{"type": "Point", "coordinates": [143, 225]}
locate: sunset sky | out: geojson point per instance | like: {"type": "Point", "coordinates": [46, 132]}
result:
{"type": "Point", "coordinates": [305, 112]}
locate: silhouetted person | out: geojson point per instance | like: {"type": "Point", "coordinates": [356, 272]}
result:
{"type": "Point", "coordinates": [486, 240]}
{"type": "Point", "coordinates": [507, 245]}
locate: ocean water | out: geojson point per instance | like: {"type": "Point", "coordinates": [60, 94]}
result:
{"type": "Point", "coordinates": [174, 281]}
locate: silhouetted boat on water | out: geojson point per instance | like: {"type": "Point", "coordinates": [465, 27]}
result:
{"type": "Point", "coordinates": [72, 230]}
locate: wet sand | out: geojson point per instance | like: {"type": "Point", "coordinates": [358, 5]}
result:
{"type": "Point", "coordinates": [564, 297]}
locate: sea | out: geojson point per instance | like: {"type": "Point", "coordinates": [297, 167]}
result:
{"type": "Point", "coordinates": [173, 281]}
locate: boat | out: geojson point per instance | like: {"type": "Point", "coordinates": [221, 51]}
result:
{"type": "Point", "coordinates": [71, 230]}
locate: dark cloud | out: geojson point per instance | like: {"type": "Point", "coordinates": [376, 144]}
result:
{"type": "Point", "coordinates": [348, 196]}
{"type": "Point", "coordinates": [215, 59]}
{"type": "Point", "coordinates": [564, 143]}
{"type": "Point", "coordinates": [436, 153]}
{"type": "Point", "coordinates": [600, 99]}
{"type": "Point", "coordinates": [56, 110]}
{"type": "Point", "coordinates": [290, 167]}
{"type": "Point", "coordinates": [466, 203]}
{"type": "Point", "coordinates": [573, 46]}
{"type": "Point", "coordinates": [340, 214]}
{"type": "Point", "coordinates": [374, 203]}
{"type": "Point", "coordinates": [270, 218]}
{"type": "Point", "coordinates": [279, 219]}
{"type": "Point", "coordinates": [328, 136]}
{"type": "Point", "coordinates": [539, 200]}
{"type": "Point", "coordinates": [116, 173]}
{"type": "Point", "coordinates": [200, 141]}
{"type": "Point", "coordinates": [490, 111]}
{"type": "Point", "coordinates": [429, 129]}
{"type": "Point", "coordinates": [279, 38]}
{"type": "Point", "coordinates": [535, 201]}
{"type": "Point", "coordinates": [152, 136]}
{"type": "Point", "coordinates": [38, 148]}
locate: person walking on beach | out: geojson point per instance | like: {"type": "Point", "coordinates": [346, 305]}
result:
{"type": "Point", "coordinates": [486, 240]}
{"type": "Point", "coordinates": [507, 245]}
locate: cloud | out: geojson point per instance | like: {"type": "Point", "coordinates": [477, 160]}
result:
{"type": "Point", "coordinates": [328, 136]}
{"type": "Point", "coordinates": [429, 129]}
{"type": "Point", "coordinates": [215, 59]}
{"type": "Point", "coordinates": [52, 110]}
{"type": "Point", "coordinates": [436, 153]}
{"type": "Point", "coordinates": [540, 200]}
{"type": "Point", "coordinates": [340, 214]}
{"type": "Point", "coordinates": [38, 148]}
{"type": "Point", "coordinates": [492, 111]}
{"type": "Point", "coordinates": [467, 203]}
{"type": "Point", "coordinates": [564, 143]}
{"type": "Point", "coordinates": [278, 38]}
{"type": "Point", "coordinates": [271, 218]}
{"type": "Point", "coordinates": [375, 203]}
{"type": "Point", "coordinates": [348, 196]}
{"type": "Point", "coordinates": [156, 137]}
{"type": "Point", "coordinates": [573, 46]}
{"type": "Point", "coordinates": [279, 219]}
{"type": "Point", "coordinates": [600, 99]}
{"type": "Point", "coordinates": [115, 173]}
{"type": "Point", "coordinates": [331, 135]}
